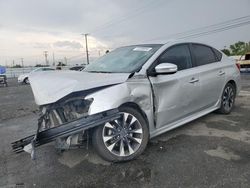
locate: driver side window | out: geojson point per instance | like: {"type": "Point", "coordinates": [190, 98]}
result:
{"type": "Point", "coordinates": [178, 55]}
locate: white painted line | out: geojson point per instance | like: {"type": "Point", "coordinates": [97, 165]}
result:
{"type": "Point", "coordinates": [244, 93]}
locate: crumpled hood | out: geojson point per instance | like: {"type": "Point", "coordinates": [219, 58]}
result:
{"type": "Point", "coordinates": [49, 87]}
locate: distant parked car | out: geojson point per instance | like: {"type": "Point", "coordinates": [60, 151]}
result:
{"type": "Point", "coordinates": [3, 78]}
{"type": "Point", "coordinates": [77, 68]}
{"type": "Point", "coordinates": [24, 78]}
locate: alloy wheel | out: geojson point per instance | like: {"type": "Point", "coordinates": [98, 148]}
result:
{"type": "Point", "coordinates": [123, 137]}
{"type": "Point", "coordinates": [228, 98]}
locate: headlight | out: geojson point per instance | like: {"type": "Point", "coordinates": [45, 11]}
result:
{"type": "Point", "coordinates": [80, 106]}
{"type": "Point", "coordinates": [66, 111]}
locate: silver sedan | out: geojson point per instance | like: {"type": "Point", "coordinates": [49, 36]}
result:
{"type": "Point", "coordinates": [132, 94]}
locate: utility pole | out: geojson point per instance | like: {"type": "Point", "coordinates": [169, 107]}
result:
{"type": "Point", "coordinates": [65, 61]}
{"type": "Point", "coordinates": [86, 42]}
{"type": "Point", "coordinates": [22, 61]}
{"type": "Point", "coordinates": [22, 64]}
{"type": "Point", "coordinates": [46, 57]}
{"type": "Point", "coordinates": [53, 59]}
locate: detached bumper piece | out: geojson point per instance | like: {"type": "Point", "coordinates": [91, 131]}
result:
{"type": "Point", "coordinates": [29, 143]}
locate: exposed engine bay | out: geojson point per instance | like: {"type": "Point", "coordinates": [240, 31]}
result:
{"type": "Point", "coordinates": [66, 122]}
{"type": "Point", "coordinates": [59, 113]}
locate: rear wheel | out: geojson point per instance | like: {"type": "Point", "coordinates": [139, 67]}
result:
{"type": "Point", "coordinates": [227, 99]}
{"type": "Point", "coordinates": [122, 139]}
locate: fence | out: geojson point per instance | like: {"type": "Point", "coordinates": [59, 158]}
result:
{"type": "Point", "coordinates": [15, 72]}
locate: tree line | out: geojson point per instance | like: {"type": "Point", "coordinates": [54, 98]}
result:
{"type": "Point", "coordinates": [238, 48]}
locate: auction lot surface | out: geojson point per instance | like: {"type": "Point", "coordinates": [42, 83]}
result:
{"type": "Point", "coordinates": [213, 151]}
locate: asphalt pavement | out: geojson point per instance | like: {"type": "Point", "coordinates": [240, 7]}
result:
{"type": "Point", "coordinates": [213, 151]}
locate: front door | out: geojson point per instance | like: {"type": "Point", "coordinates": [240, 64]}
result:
{"type": "Point", "coordinates": [175, 95]}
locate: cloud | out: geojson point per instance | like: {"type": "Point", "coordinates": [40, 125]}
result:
{"type": "Point", "coordinates": [41, 45]}
{"type": "Point", "coordinates": [68, 44]}
{"type": "Point", "coordinates": [29, 27]}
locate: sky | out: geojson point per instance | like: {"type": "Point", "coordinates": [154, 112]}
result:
{"type": "Point", "coordinates": [30, 27]}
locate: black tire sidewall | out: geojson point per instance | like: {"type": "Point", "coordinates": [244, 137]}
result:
{"type": "Point", "coordinates": [222, 109]}
{"type": "Point", "coordinates": [25, 80]}
{"type": "Point", "coordinates": [101, 149]}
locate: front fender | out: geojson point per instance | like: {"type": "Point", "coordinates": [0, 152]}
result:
{"type": "Point", "coordinates": [136, 91]}
{"type": "Point", "coordinates": [108, 98]}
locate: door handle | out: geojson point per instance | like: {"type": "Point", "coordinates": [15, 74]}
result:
{"type": "Point", "coordinates": [193, 80]}
{"type": "Point", "coordinates": [221, 73]}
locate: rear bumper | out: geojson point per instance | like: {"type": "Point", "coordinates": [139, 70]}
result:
{"type": "Point", "coordinates": [49, 135]}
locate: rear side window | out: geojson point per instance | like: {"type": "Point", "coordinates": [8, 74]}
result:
{"type": "Point", "coordinates": [178, 55]}
{"type": "Point", "coordinates": [218, 54]}
{"type": "Point", "coordinates": [203, 54]}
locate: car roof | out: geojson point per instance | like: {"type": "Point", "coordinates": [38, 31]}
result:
{"type": "Point", "coordinates": [170, 42]}
{"type": "Point", "coordinates": [144, 45]}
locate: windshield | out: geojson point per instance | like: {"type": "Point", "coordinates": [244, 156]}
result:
{"type": "Point", "coordinates": [123, 60]}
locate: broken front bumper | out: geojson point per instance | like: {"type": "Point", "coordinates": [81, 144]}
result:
{"type": "Point", "coordinates": [40, 138]}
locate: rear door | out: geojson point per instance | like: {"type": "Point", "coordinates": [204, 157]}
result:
{"type": "Point", "coordinates": [175, 95]}
{"type": "Point", "coordinates": [212, 74]}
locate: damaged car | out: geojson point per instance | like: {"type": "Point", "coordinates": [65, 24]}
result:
{"type": "Point", "coordinates": [130, 95]}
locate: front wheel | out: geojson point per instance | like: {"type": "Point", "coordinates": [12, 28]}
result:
{"type": "Point", "coordinates": [227, 99]}
{"type": "Point", "coordinates": [122, 139]}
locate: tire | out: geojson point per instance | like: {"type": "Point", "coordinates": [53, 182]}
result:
{"type": "Point", "coordinates": [26, 81]}
{"type": "Point", "coordinates": [117, 142]}
{"type": "Point", "coordinates": [227, 99]}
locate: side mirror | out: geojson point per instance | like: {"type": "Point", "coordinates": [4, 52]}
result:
{"type": "Point", "coordinates": [166, 68]}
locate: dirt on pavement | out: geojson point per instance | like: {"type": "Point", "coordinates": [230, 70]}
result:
{"type": "Point", "coordinates": [212, 151]}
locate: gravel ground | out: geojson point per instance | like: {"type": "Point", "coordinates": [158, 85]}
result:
{"type": "Point", "coordinates": [213, 151]}
{"type": "Point", "coordinates": [16, 100]}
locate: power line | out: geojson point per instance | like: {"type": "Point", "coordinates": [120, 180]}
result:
{"type": "Point", "coordinates": [237, 22]}
{"type": "Point", "coordinates": [211, 29]}
{"type": "Point", "coordinates": [135, 12]}
{"type": "Point", "coordinates": [216, 30]}
{"type": "Point", "coordinates": [225, 23]}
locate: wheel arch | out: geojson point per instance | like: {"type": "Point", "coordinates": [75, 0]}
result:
{"type": "Point", "coordinates": [135, 95]}
{"type": "Point", "coordinates": [25, 78]}
{"type": "Point", "coordinates": [137, 107]}
{"type": "Point", "coordinates": [234, 84]}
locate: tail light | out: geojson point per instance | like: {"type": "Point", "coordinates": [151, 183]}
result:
{"type": "Point", "coordinates": [238, 66]}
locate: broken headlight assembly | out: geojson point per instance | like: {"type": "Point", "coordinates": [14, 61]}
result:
{"type": "Point", "coordinates": [59, 113]}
